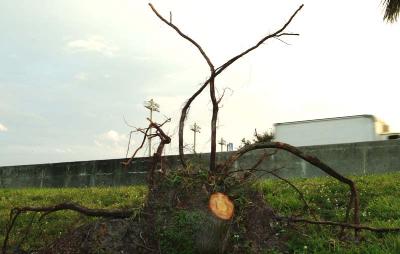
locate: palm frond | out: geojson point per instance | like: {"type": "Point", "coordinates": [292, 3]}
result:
{"type": "Point", "coordinates": [392, 10]}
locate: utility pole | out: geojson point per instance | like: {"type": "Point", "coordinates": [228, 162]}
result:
{"type": "Point", "coordinates": [196, 129]}
{"type": "Point", "coordinates": [152, 106]}
{"type": "Point", "coordinates": [222, 142]}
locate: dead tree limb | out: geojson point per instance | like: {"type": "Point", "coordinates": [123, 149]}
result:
{"type": "Point", "coordinates": [157, 157]}
{"type": "Point", "coordinates": [214, 118]}
{"type": "Point", "coordinates": [145, 136]}
{"type": "Point", "coordinates": [260, 160]}
{"type": "Point", "coordinates": [157, 160]}
{"type": "Point", "coordinates": [272, 172]}
{"type": "Point", "coordinates": [126, 163]}
{"type": "Point", "coordinates": [184, 36]}
{"type": "Point", "coordinates": [211, 80]}
{"type": "Point", "coordinates": [354, 199]}
{"type": "Point", "coordinates": [212, 70]}
{"type": "Point", "coordinates": [212, 94]}
{"type": "Point", "coordinates": [105, 213]}
{"type": "Point", "coordinates": [140, 147]}
{"type": "Point", "coordinates": [357, 227]}
{"type": "Point", "coordinates": [130, 136]}
{"type": "Point", "coordinates": [26, 232]}
{"type": "Point", "coordinates": [164, 139]}
{"type": "Point", "coordinates": [301, 195]}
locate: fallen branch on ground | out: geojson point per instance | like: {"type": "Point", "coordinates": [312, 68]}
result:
{"type": "Point", "coordinates": [338, 224]}
{"type": "Point", "coordinates": [354, 200]}
{"type": "Point", "coordinates": [46, 210]}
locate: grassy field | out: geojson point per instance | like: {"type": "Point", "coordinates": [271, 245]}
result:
{"type": "Point", "coordinates": [56, 224]}
{"type": "Point", "coordinates": [380, 207]}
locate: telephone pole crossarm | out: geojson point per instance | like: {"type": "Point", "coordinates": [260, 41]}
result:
{"type": "Point", "coordinates": [152, 106]}
{"type": "Point", "coordinates": [222, 142]}
{"type": "Point", "coordinates": [196, 129]}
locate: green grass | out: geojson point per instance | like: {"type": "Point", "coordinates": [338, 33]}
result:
{"type": "Point", "coordinates": [379, 194]}
{"type": "Point", "coordinates": [380, 207]}
{"type": "Point", "coordinates": [55, 224]}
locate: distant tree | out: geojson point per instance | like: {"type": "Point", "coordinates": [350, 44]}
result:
{"type": "Point", "coordinates": [266, 136]}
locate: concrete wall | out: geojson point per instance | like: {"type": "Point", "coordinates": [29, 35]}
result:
{"type": "Point", "coordinates": [349, 159]}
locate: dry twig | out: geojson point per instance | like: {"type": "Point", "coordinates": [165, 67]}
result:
{"type": "Point", "coordinates": [214, 72]}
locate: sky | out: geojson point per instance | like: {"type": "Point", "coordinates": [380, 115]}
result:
{"type": "Point", "coordinates": [72, 71]}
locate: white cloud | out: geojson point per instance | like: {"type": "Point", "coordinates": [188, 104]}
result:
{"type": "Point", "coordinates": [62, 151]}
{"type": "Point", "coordinates": [114, 136]}
{"type": "Point", "coordinates": [93, 44]}
{"type": "Point", "coordinates": [3, 128]}
{"type": "Point", "coordinates": [112, 142]}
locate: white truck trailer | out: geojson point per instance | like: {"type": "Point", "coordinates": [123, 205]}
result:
{"type": "Point", "coordinates": [347, 129]}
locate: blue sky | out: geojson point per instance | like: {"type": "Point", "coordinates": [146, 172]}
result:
{"type": "Point", "coordinates": [72, 70]}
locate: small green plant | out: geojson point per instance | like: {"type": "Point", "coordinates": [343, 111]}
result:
{"type": "Point", "coordinates": [380, 207]}
{"type": "Point", "coordinates": [177, 235]}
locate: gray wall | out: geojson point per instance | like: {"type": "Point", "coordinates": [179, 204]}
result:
{"type": "Point", "coordinates": [349, 159]}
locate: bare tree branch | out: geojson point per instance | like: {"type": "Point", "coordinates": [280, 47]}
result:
{"type": "Point", "coordinates": [214, 118]}
{"type": "Point", "coordinates": [262, 158]}
{"type": "Point", "coordinates": [214, 74]}
{"type": "Point", "coordinates": [157, 158]}
{"type": "Point", "coordinates": [145, 136]}
{"type": "Point", "coordinates": [284, 34]}
{"type": "Point", "coordinates": [105, 213]}
{"type": "Point", "coordinates": [126, 163]}
{"type": "Point", "coordinates": [277, 33]}
{"type": "Point", "coordinates": [254, 168]}
{"type": "Point", "coordinates": [129, 143]}
{"type": "Point", "coordinates": [184, 36]}
{"type": "Point", "coordinates": [301, 195]}
{"type": "Point", "coordinates": [357, 227]}
{"type": "Point", "coordinates": [223, 94]}
{"type": "Point", "coordinates": [279, 39]}
{"type": "Point", "coordinates": [354, 201]}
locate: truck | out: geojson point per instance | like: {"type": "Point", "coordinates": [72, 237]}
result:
{"type": "Point", "coordinates": [336, 130]}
